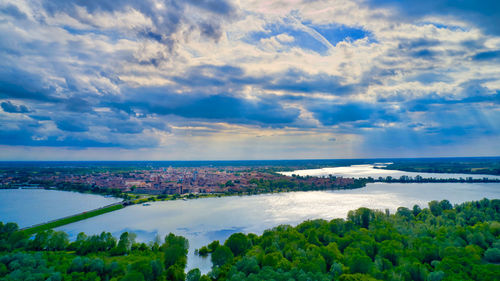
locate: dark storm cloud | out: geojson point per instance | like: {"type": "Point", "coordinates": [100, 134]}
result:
{"type": "Point", "coordinates": [12, 108]}
{"type": "Point", "coordinates": [19, 84]}
{"type": "Point", "coordinates": [484, 14]}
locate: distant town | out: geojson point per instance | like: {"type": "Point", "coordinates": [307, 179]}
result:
{"type": "Point", "coordinates": [168, 180]}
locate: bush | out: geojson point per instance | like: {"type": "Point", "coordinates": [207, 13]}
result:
{"type": "Point", "coordinates": [492, 255]}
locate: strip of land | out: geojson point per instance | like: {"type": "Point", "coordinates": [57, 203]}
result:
{"type": "Point", "coordinates": [73, 218]}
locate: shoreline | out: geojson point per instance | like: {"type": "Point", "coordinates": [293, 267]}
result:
{"type": "Point", "coordinates": [147, 198]}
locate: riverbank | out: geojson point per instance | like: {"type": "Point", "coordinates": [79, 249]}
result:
{"type": "Point", "coordinates": [264, 187]}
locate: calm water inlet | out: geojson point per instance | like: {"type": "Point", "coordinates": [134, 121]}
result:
{"type": "Point", "coordinates": [27, 207]}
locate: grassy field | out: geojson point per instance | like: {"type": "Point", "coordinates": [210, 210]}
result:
{"type": "Point", "coordinates": [72, 219]}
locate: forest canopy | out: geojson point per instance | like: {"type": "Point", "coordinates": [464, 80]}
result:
{"type": "Point", "coordinates": [440, 242]}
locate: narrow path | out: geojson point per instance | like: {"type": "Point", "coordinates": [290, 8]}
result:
{"type": "Point", "coordinates": [74, 218]}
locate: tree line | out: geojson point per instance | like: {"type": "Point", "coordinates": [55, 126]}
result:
{"type": "Point", "coordinates": [439, 242]}
{"type": "Point", "coordinates": [49, 255]}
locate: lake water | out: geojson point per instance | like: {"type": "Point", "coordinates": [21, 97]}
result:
{"type": "Point", "coordinates": [364, 171]}
{"type": "Point", "coordinates": [27, 207]}
{"type": "Point", "coordinates": [208, 219]}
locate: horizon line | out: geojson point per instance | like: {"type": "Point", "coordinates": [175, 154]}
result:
{"type": "Point", "coordinates": [250, 160]}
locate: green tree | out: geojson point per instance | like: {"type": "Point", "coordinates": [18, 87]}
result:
{"type": "Point", "coordinates": [238, 243]}
{"type": "Point", "coordinates": [248, 265]}
{"type": "Point", "coordinates": [144, 267]}
{"type": "Point", "coordinates": [360, 264]}
{"type": "Point", "coordinates": [175, 250]}
{"type": "Point", "coordinates": [435, 208]}
{"type": "Point", "coordinates": [133, 276]}
{"type": "Point", "coordinates": [222, 255]}
{"type": "Point", "coordinates": [492, 255]}
{"type": "Point", "coordinates": [193, 275]}
{"type": "Point", "coordinates": [361, 217]}
{"type": "Point", "coordinates": [57, 241]}
{"type": "Point", "coordinates": [416, 210]}
{"type": "Point", "coordinates": [405, 213]}
{"type": "Point", "coordinates": [176, 273]}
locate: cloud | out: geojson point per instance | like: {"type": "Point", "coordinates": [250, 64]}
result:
{"type": "Point", "coordinates": [168, 17]}
{"type": "Point", "coordinates": [222, 107]}
{"type": "Point", "coordinates": [19, 84]}
{"type": "Point", "coordinates": [27, 138]}
{"type": "Point", "coordinates": [208, 76]}
{"type": "Point", "coordinates": [329, 113]}
{"type": "Point", "coordinates": [295, 80]}
{"type": "Point", "coordinates": [13, 11]}
{"type": "Point", "coordinates": [430, 77]}
{"type": "Point", "coordinates": [143, 74]}
{"type": "Point", "coordinates": [72, 125]}
{"type": "Point", "coordinates": [483, 14]}
{"type": "Point", "coordinates": [308, 36]}
{"type": "Point", "coordinates": [229, 78]}
{"type": "Point", "coordinates": [12, 108]}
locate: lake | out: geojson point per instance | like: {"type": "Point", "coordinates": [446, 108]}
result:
{"type": "Point", "coordinates": [363, 171]}
{"type": "Point", "coordinates": [27, 207]}
{"type": "Point", "coordinates": [207, 219]}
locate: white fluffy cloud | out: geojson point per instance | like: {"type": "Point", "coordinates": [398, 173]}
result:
{"type": "Point", "coordinates": [158, 75]}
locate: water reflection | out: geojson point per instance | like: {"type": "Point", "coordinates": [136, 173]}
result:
{"type": "Point", "coordinates": [204, 220]}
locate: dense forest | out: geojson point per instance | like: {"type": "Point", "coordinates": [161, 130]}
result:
{"type": "Point", "coordinates": [440, 242]}
{"type": "Point", "coordinates": [436, 243]}
{"type": "Point", "coordinates": [50, 256]}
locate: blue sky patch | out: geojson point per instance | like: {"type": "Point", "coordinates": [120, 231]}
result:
{"type": "Point", "coordinates": [304, 37]}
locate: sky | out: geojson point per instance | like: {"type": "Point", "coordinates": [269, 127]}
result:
{"type": "Point", "coordinates": [223, 80]}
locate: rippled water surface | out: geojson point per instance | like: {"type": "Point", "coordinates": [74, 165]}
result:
{"type": "Point", "coordinates": [204, 220]}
